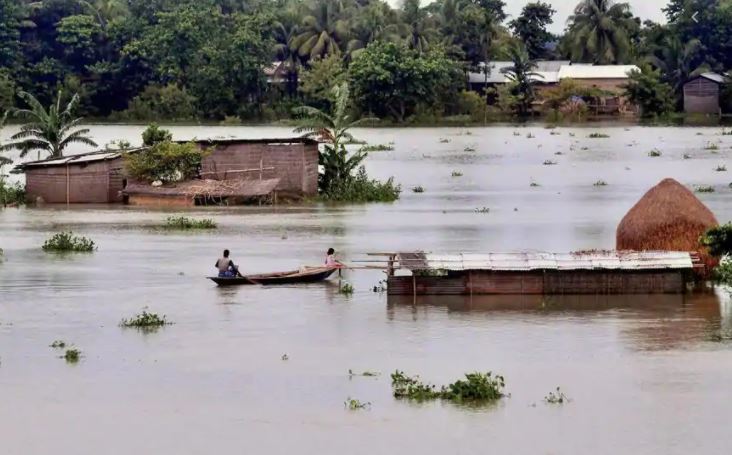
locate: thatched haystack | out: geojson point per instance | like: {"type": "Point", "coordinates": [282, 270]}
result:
{"type": "Point", "coordinates": [667, 217]}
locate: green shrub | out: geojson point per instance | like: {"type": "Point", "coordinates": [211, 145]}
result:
{"type": "Point", "coordinates": [718, 240]}
{"type": "Point", "coordinates": [185, 223]}
{"type": "Point", "coordinates": [165, 162]}
{"type": "Point", "coordinates": [67, 242]}
{"type": "Point", "coordinates": [11, 194]}
{"type": "Point", "coordinates": [472, 104]}
{"type": "Point", "coordinates": [72, 355]}
{"type": "Point", "coordinates": [168, 102]}
{"type": "Point", "coordinates": [723, 272]}
{"type": "Point", "coordinates": [145, 320]}
{"type": "Point", "coordinates": [360, 188]}
{"type": "Point", "coordinates": [154, 134]}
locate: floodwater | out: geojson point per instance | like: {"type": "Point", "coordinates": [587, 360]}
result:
{"type": "Point", "coordinates": [645, 374]}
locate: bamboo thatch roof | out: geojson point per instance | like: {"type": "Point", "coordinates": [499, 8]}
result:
{"type": "Point", "coordinates": [667, 217]}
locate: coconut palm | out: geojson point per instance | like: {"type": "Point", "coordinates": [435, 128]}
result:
{"type": "Point", "coordinates": [420, 29]}
{"type": "Point", "coordinates": [598, 32]}
{"type": "Point", "coordinates": [333, 130]}
{"type": "Point", "coordinates": [50, 131]}
{"type": "Point", "coordinates": [285, 30]}
{"type": "Point", "coordinates": [374, 22]}
{"type": "Point", "coordinates": [522, 74]}
{"type": "Point", "coordinates": [3, 160]}
{"type": "Point", "coordinates": [321, 30]}
{"type": "Point", "coordinates": [678, 61]}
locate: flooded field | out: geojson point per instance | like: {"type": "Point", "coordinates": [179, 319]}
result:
{"type": "Point", "coordinates": [646, 374]}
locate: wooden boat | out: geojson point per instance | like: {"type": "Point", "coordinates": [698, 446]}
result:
{"type": "Point", "coordinates": [304, 275]}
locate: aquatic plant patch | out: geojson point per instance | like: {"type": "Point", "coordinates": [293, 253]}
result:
{"type": "Point", "coordinates": [721, 168]}
{"type": "Point", "coordinates": [67, 242]}
{"type": "Point", "coordinates": [600, 183]}
{"type": "Point", "coordinates": [72, 355]}
{"type": "Point", "coordinates": [711, 146]}
{"type": "Point", "coordinates": [475, 387]}
{"type": "Point", "coordinates": [378, 148]}
{"type": "Point", "coordinates": [353, 404]}
{"type": "Point", "coordinates": [556, 397]}
{"type": "Point", "coordinates": [186, 223]}
{"type": "Point", "coordinates": [654, 153]}
{"type": "Point", "coordinates": [598, 136]}
{"type": "Point", "coordinates": [456, 174]}
{"type": "Point", "coordinates": [346, 288]}
{"type": "Point", "coordinates": [704, 189]}
{"type": "Point", "coordinates": [549, 163]}
{"type": "Point", "coordinates": [365, 373]}
{"type": "Point", "coordinates": [58, 344]}
{"type": "Point", "coordinates": [418, 189]}
{"type": "Point", "coordinates": [145, 320]}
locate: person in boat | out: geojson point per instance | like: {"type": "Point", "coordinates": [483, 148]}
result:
{"type": "Point", "coordinates": [330, 260]}
{"type": "Point", "coordinates": [226, 266]}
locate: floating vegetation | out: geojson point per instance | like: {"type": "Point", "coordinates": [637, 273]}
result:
{"type": "Point", "coordinates": [63, 242]}
{"type": "Point", "coordinates": [72, 355]}
{"type": "Point", "coordinates": [185, 223]}
{"type": "Point", "coordinates": [468, 149]}
{"type": "Point", "coordinates": [654, 153]}
{"type": "Point", "coordinates": [721, 168]}
{"type": "Point", "coordinates": [530, 136]}
{"type": "Point", "coordinates": [686, 156]}
{"type": "Point", "coordinates": [517, 133]}
{"type": "Point", "coordinates": [378, 148]}
{"type": "Point", "coordinates": [365, 373]}
{"type": "Point", "coordinates": [598, 136]}
{"type": "Point", "coordinates": [726, 132]}
{"type": "Point", "coordinates": [457, 174]}
{"type": "Point", "coordinates": [600, 183]}
{"type": "Point", "coordinates": [556, 397]}
{"type": "Point", "coordinates": [353, 404]}
{"type": "Point", "coordinates": [58, 344]}
{"type": "Point", "coordinates": [559, 153]}
{"type": "Point", "coordinates": [444, 140]}
{"type": "Point", "coordinates": [534, 184]}
{"type": "Point", "coordinates": [285, 357]}
{"type": "Point", "coordinates": [712, 146]}
{"type": "Point", "coordinates": [482, 210]}
{"type": "Point", "coordinates": [476, 387]}
{"type": "Point", "coordinates": [346, 288]}
{"type": "Point", "coordinates": [554, 133]}
{"type": "Point", "coordinates": [584, 148]}
{"type": "Point", "coordinates": [704, 189]}
{"type": "Point", "coordinates": [572, 135]}
{"type": "Point", "coordinates": [145, 320]}
{"type": "Point", "coordinates": [699, 133]}
{"type": "Point", "coordinates": [418, 189]}
{"type": "Point", "coordinates": [549, 163]}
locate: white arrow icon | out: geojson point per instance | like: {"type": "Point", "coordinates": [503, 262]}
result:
{"type": "Point", "coordinates": [693, 16]}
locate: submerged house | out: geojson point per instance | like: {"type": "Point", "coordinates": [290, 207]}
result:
{"type": "Point", "coordinates": [701, 94]}
{"type": "Point", "coordinates": [235, 171]}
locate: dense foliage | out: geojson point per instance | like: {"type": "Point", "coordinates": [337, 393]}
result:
{"type": "Point", "coordinates": [212, 59]}
{"type": "Point", "coordinates": [653, 96]}
{"type": "Point", "coordinates": [165, 162]}
{"type": "Point", "coordinates": [67, 242]}
{"type": "Point", "coordinates": [186, 223]}
{"type": "Point", "coordinates": [718, 240]}
{"type": "Point", "coordinates": [476, 387]}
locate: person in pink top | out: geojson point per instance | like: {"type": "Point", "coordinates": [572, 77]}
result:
{"type": "Point", "coordinates": [330, 260]}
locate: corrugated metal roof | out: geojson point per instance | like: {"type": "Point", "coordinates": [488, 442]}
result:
{"type": "Point", "coordinates": [593, 260]}
{"type": "Point", "coordinates": [547, 69]}
{"type": "Point", "coordinates": [596, 71]}
{"type": "Point", "coordinates": [76, 159]}
{"type": "Point", "coordinates": [714, 77]}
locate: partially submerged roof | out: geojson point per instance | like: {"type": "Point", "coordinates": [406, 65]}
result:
{"type": "Point", "coordinates": [596, 71]}
{"type": "Point", "coordinates": [234, 141]}
{"type": "Point", "coordinates": [206, 188]}
{"type": "Point", "coordinates": [590, 260]}
{"type": "Point", "coordinates": [83, 158]}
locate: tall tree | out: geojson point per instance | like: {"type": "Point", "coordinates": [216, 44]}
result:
{"type": "Point", "coordinates": [322, 30]}
{"type": "Point", "coordinates": [598, 32]}
{"type": "Point", "coordinates": [678, 62]}
{"type": "Point", "coordinates": [49, 130]}
{"type": "Point", "coordinates": [522, 74]}
{"type": "Point", "coordinates": [530, 27]}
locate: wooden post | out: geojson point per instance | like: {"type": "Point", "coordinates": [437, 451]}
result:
{"type": "Point", "coordinates": [68, 185]}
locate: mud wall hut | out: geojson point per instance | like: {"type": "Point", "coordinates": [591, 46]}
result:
{"type": "Point", "coordinates": [87, 178]}
{"type": "Point", "coordinates": [668, 217]}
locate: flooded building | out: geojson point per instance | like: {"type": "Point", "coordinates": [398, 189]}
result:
{"type": "Point", "coordinates": [701, 94]}
{"type": "Point", "coordinates": [87, 178]}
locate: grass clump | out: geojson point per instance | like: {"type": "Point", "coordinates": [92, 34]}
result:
{"type": "Point", "coordinates": [704, 189]}
{"type": "Point", "coordinates": [72, 355]}
{"type": "Point", "coordinates": [58, 344]}
{"type": "Point", "coordinates": [457, 174]}
{"type": "Point", "coordinates": [600, 183]}
{"type": "Point", "coordinates": [721, 168]}
{"type": "Point", "coordinates": [186, 223]}
{"type": "Point", "coordinates": [549, 163]}
{"type": "Point", "coordinates": [418, 189]}
{"type": "Point", "coordinates": [67, 242]}
{"type": "Point", "coordinates": [145, 320]}
{"type": "Point", "coordinates": [598, 136]}
{"type": "Point", "coordinates": [346, 288]}
{"type": "Point", "coordinates": [654, 153]}
{"type": "Point", "coordinates": [556, 397]}
{"type": "Point", "coordinates": [353, 404]}
{"type": "Point", "coordinates": [475, 387]}
{"type": "Point", "coordinates": [378, 148]}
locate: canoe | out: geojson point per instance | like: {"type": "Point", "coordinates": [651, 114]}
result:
{"type": "Point", "coordinates": [305, 275]}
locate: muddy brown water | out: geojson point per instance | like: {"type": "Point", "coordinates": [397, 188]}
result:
{"type": "Point", "coordinates": [646, 374]}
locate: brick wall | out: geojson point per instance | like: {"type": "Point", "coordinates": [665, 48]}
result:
{"type": "Point", "coordinates": [295, 164]}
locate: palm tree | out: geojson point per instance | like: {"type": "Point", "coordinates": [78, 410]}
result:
{"type": "Point", "coordinates": [285, 31]}
{"type": "Point", "coordinates": [333, 130]}
{"type": "Point", "coordinates": [522, 74]}
{"type": "Point", "coordinates": [49, 131]}
{"type": "Point", "coordinates": [374, 22]}
{"type": "Point", "coordinates": [321, 30]}
{"type": "Point", "coordinates": [598, 32]}
{"type": "Point", "coordinates": [420, 29]}
{"type": "Point", "coordinates": [678, 61]}
{"type": "Point", "coordinates": [3, 160]}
